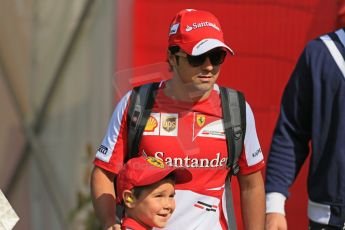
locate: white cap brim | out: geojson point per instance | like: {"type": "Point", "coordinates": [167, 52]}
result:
{"type": "Point", "coordinates": [208, 44]}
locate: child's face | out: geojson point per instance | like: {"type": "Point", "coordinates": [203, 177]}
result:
{"type": "Point", "coordinates": [155, 204]}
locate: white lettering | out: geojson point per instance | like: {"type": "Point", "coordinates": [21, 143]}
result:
{"type": "Point", "coordinates": [222, 162]}
{"type": "Point", "coordinates": [189, 162]}
{"type": "Point", "coordinates": [169, 161]}
{"type": "Point", "coordinates": [178, 162]}
{"type": "Point", "coordinates": [186, 161]}
{"type": "Point", "coordinates": [159, 155]}
{"type": "Point", "coordinates": [203, 162]}
{"type": "Point", "coordinates": [200, 25]}
{"type": "Point", "coordinates": [215, 162]}
{"type": "Point", "coordinates": [195, 163]}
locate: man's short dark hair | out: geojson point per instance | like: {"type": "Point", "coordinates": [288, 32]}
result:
{"type": "Point", "coordinates": [173, 50]}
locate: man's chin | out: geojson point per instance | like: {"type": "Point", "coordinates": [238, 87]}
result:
{"type": "Point", "coordinates": [200, 90]}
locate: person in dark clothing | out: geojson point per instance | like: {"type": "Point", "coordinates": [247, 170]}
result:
{"type": "Point", "coordinates": [312, 114]}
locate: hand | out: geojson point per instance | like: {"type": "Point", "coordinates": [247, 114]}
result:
{"type": "Point", "coordinates": [275, 221]}
{"type": "Point", "coordinates": [114, 227]}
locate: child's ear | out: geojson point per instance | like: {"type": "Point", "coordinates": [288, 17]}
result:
{"type": "Point", "coordinates": [128, 199]}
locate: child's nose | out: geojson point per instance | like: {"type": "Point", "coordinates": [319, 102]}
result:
{"type": "Point", "coordinates": [169, 204]}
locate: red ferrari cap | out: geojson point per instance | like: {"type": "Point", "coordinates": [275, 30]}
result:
{"type": "Point", "coordinates": [143, 170]}
{"type": "Point", "coordinates": [196, 32]}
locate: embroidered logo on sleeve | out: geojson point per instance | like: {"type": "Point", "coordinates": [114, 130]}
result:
{"type": "Point", "coordinates": [103, 149]}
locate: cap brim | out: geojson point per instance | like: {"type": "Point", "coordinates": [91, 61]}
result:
{"type": "Point", "coordinates": [203, 46]}
{"type": "Point", "coordinates": [182, 175]}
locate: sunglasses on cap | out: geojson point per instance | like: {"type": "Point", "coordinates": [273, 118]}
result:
{"type": "Point", "coordinates": [216, 57]}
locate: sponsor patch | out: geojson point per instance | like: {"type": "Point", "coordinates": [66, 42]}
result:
{"type": "Point", "coordinates": [188, 28]}
{"type": "Point", "coordinates": [257, 152]}
{"type": "Point", "coordinates": [103, 149]}
{"type": "Point", "coordinates": [169, 124]}
{"type": "Point", "coordinates": [211, 132]}
{"type": "Point", "coordinates": [152, 125]}
{"type": "Point", "coordinates": [103, 153]}
{"type": "Point", "coordinates": [205, 206]}
{"type": "Point", "coordinates": [217, 161]}
{"type": "Point", "coordinates": [198, 25]}
{"type": "Point", "coordinates": [174, 28]}
{"type": "Point", "coordinates": [208, 126]}
{"type": "Point", "coordinates": [254, 154]}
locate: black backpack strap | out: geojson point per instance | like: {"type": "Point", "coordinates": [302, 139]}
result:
{"type": "Point", "coordinates": [229, 204]}
{"type": "Point", "coordinates": [234, 120]}
{"type": "Point", "coordinates": [141, 102]}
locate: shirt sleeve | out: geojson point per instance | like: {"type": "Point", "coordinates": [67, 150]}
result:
{"type": "Point", "coordinates": [275, 203]}
{"type": "Point", "coordinates": [290, 142]}
{"type": "Point", "coordinates": [251, 159]}
{"type": "Point", "coordinates": [111, 153]}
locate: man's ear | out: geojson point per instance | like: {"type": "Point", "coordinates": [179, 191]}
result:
{"type": "Point", "coordinates": [128, 199]}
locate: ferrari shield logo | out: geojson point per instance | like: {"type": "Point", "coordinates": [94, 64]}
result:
{"type": "Point", "coordinates": [155, 162]}
{"type": "Point", "coordinates": [200, 119]}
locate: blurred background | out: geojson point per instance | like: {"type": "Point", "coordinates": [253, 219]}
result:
{"type": "Point", "coordinates": [64, 65]}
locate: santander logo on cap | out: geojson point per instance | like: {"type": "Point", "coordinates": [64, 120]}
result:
{"type": "Point", "coordinates": [190, 28]}
{"type": "Point", "coordinates": [196, 25]}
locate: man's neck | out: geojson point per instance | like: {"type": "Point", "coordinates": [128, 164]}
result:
{"type": "Point", "coordinates": [186, 92]}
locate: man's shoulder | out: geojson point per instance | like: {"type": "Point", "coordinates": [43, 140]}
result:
{"type": "Point", "coordinates": [317, 43]}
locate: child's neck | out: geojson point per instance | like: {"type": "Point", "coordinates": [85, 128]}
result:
{"type": "Point", "coordinates": [131, 219]}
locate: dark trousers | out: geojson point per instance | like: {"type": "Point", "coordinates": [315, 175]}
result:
{"type": "Point", "coordinates": [318, 226]}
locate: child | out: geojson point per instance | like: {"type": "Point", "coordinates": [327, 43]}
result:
{"type": "Point", "coordinates": [146, 188]}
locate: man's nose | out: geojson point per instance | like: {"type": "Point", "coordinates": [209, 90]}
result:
{"type": "Point", "coordinates": [207, 65]}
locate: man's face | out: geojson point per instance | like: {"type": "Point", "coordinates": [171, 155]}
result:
{"type": "Point", "coordinates": [155, 204]}
{"type": "Point", "coordinates": [198, 76]}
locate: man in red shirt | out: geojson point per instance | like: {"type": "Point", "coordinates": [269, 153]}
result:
{"type": "Point", "coordinates": [185, 129]}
